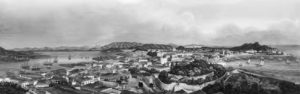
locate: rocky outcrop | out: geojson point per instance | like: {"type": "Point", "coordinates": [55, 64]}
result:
{"type": "Point", "coordinates": [251, 46]}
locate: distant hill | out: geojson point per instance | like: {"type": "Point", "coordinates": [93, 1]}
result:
{"type": "Point", "coordinates": [8, 55]}
{"type": "Point", "coordinates": [4, 52]}
{"type": "Point", "coordinates": [248, 46]}
{"type": "Point", "coordinates": [61, 48]}
{"type": "Point", "coordinates": [155, 46]}
{"type": "Point", "coordinates": [173, 45]}
{"type": "Point", "coordinates": [121, 45]}
{"type": "Point", "coordinates": [134, 45]}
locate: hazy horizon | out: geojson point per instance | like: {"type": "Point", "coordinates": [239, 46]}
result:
{"type": "Point", "coordinates": [53, 23]}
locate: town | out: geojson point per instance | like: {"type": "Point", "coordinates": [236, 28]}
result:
{"type": "Point", "coordinates": [146, 69]}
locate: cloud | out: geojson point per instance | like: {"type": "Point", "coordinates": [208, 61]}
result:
{"type": "Point", "coordinates": [283, 32]}
{"type": "Point", "coordinates": [86, 22]}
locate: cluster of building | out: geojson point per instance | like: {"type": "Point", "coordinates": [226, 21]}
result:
{"type": "Point", "coordinates": [113, 76]}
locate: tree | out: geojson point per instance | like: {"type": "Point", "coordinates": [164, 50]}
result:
{"type": "Point", "coordinates": [11, 88]}
{"type": "Point", "coordinates": [152, 54]}
{"type": "Point", "coordinates": [164, 77]}
{"type": "Point", "coordinates": [180, 48]}
{"type": "Point", "coordinates": [133, 70]}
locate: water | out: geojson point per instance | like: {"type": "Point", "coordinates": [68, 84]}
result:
{"type": "Point", "coordinates": [290, 49]}
{"type": "Point", "coordinates": [294, 52]}
{"type": "Point", "coordinates": [78, 56]}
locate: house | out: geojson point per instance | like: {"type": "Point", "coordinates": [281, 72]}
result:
{"type": "Point", "coordinates": [25, 84]}
{"type": "Point", "coordinates": [143, 64]}
{"type": "Point", "coordinates": [148, 64]}
{"type": "Point", "coordinates": [142, 60]}
{"type": "Point", "coordinates": [84, 80]}
{"type": "Point", "coordinates": [8, 80]}
{"type": "Point", "coordinates": [251, 51]}
{"type": "Point", "coordinates": [163, 60]}
{"type": "Point", "coordinates": [139, 53]}
{"type": "Point", "coordinates": [88, 81]}
{"type": "Point", "coordinates": [41, 83]}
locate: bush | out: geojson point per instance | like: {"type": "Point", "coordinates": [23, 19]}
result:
{"type": "Point", "coordinates": [164, 77]}
{"type": "Point", "coordinates": [11, 88]}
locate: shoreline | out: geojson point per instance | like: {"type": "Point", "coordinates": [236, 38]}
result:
{"type": "Point", "coordinates": [273, 68]}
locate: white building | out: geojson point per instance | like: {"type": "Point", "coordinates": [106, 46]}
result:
{"type": "Point", "coordinates": [8, 80]}
{"type": "Point", "coordinates": [89, 81]}
{"type": "Point", "coordinates": [163, 60]}
{"type": "Point", "coordinates": [251, 51]}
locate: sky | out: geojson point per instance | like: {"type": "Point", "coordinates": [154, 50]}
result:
{"type": "Point", "coordinates": [40, 23]}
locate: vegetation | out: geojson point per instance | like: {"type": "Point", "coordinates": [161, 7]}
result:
{"type": "Point", "coordinates": [196, 68]}
{"type": "Point", "coordinates": [247, 84]}
{"type": "Point", "coordinates": [152, 54]}
{"type": "Point", "coordinates": [121, 45]}
{"type": "Point", "coordinates": [154, 46]}
{"type": "Point", "coordinates": [11, 88]}
{"type": "Point", "coordinates": [118, 46]}
{"type": "Point", "coordinates": [164, 77]}
{"type": "Point", "coordinates": [8, 55]}
{"type": "Point", "coordinates": [251, 46]}
{"type": "Point", "coordinates": [180, 48]}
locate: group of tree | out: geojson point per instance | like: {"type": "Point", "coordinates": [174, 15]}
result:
{"type": "Point", "coordinates": [152, 54]}
{"type": "Point", "coordinates": [9, 55]}
{"type": "Point", "coordinates": [196, 68]}
{"type": "Point", "coordinates": [11, 88]}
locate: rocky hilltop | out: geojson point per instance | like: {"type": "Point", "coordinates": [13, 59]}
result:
{"type": "Point", "coordinates": [251, 46]}
{"type": "Point", "coordinates": [135, 45]}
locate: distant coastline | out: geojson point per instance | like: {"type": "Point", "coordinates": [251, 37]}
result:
{"type": "Point", "coordinates": [290, 49]}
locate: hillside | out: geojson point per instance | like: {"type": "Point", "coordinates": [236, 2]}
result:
{"type": "Point", "coordinates": [155, 46]}
{"type": "Point", "coordinates": [245, 83]}
{"type": "Point", "coordinates": [121, 45]}
{"type": "Point", "coordinates": [8, 55]}
{"type": "Point", "coordinates": [134, 45]}
{"type": "Point", "coordinates": [61, 48]}
{"type": "Point", "coordinates": [4, 52]}
{"type": "Point", "coordinates": [249, 46]}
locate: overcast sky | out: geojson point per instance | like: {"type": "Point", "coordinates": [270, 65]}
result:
{"type": "Point", "coordinates": [39, 23]}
